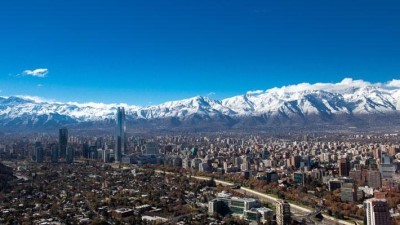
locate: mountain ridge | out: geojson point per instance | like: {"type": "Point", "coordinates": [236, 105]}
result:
{"type": "Point", "coordinates": [349, 101]}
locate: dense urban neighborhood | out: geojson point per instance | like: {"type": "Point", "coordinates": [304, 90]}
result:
{"type": "Point", "coordinates": [207, 112]}
{"type": "Point", "coordinates": [218, 178]}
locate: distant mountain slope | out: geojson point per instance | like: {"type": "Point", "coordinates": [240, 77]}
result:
{"type": "Point", "coordinates": [348, 102]}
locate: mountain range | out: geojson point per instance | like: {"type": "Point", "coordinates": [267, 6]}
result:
{"type": "Point", "coordinates": [349, 103]}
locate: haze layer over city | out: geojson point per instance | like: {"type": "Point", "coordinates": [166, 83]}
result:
{"type": "Point", "coordinates": [199, 112]}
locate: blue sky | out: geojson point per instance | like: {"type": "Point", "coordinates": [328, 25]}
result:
{"type": "Point", "coordinates": [150, 51]}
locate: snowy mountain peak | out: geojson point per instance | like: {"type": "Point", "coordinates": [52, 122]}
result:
{"type": "Point", "coordinates": [348, 97]}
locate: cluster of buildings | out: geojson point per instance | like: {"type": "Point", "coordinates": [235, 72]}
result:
{"type": "Point", "coordinates": [356, 165]}
{"type": "Point", "coordinates": [82, 193]}
{"type": "Point", "coordinates": [57, 150]}
{"type": "Point", "coordinates": [249, 209]}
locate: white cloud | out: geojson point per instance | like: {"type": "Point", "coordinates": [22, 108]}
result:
{"type": "Point", "coordinates": [255, 92]}
{"type": "Point", "coordinates": [39, 85]}
{"type": "Point", "coordinates": [211, 94]}
{"type": "Point", "coordinates": [34, 98]}
{"type": "Point", "coordinates": [40, 72]}
{"type": "Point", "coordinates": [347, 85]}
{"type": "Point", "coordinates": [393, 83]}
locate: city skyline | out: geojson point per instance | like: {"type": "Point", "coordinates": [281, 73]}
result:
{"type": "Point", "coordinates": [200, 112]}
{"type": "Point", "coordinates": [254, 163]}
{"type": "Point", "coordinates": [147, 53]}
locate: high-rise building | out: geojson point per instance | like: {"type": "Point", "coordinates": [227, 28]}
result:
{"type": "Point", "coordinates": [151, 148]}
{"type": "Point", "coordinates": [376, 212]}
{"type": "Point", "coordinates": [295, 161]}
{"type": "Point", "coordinates": [85, 150]}
{"type": "Point", "coordinates": [348, 192]}
{"type": "Point", "coordinates": [54, 153]}
{"type": "Point", "coordinates": [106, 156]}
{"type": "Point", "coordinates": [356, 175]}
{"type": "Point", "coordinates": [70, 155]}
{"type": "Point", "coordinates": [120, 134]}
{"type": "Point", "coordinates": [386, 167]}
{"type": "Point", "coordinates": [93, 152]}
{"type": "Point", "coordinates": [344, 167]}
{"type": "Point", "coordinates": [39, 152]}
{"type": "Point", "coordinates": [374, 179]}
{"type": "Point", "coordinates": [283, 213]}
{"type": "Point", "coordinates": [63, 141]}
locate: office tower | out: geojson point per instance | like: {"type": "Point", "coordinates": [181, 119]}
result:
{"type": "Point", "coordinates": [374, 179]}
{"type": "Point", "coordinates": [54, 153]}
{"type": "Point", "coordinates": [120, 134]}
{"type": "Point", "coordinates": [387, 170]}
{"type": "Point", "coordinates": [356, 175]}
{"type": "Point", "coordinates": [63, 141]}
{"type": "Point", "coordinates": [283, 213]}
{"type": "Point", "coordinates": [85, 150]}
{"type": "Point", "coordinates": [151, 148]}
{"type": "Point", "coordinates": [386, 167]}
{"type": "Point", "coordinates": [39, 152]}
{"type": "Point", "coordinates": [344, 167]}
{"type": "Point", "coordinates": [106, 156]}
{"type": "Point", "coordinates": [93, 152]}
{"type": "Point", "coordinates": [376, 212]}
{"type": "Point", "coordinates": [295, 161]}
{"type": "Point", "coordinates": [70, 155]}
{"type": "Point", "coordinates": [348, 192]}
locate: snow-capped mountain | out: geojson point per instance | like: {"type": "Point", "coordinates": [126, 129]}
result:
{"type": "Point", "coordinates": [305, 103]}
{"type": "Point", "coordinates": [346, 97]}
{"type": "Point", "coordinates": [198, 105]}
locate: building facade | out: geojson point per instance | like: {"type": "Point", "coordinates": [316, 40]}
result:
{"type": "Point", "coordinates": [348, 192]}
{"type": "Point", "coordinates": [54, 153]}
{"type": "Point", "coordinates": [377, 212]}
{"type": "Point", "coordinates": [63, 141]}
{"type": "Point", "coordinates": [39, 154]}
{"type": "Point", "coordinates": [120, 145]}
{"type": "Point", "coordinates": [344, 167]}
{"type": "Point", "coordinates": [283, 213]}
{"type": "Point", "coordinates": [70, 155]}
{"type": "Point", "coordinates": [151, 148]}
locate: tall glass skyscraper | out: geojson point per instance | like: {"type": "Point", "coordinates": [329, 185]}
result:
{"type": "Point", "coordinates": [39, 152]}
{"type": "Point", "coordinates": [54, 153]}
{"type": "Point", "coordinates": [63, 141]}
{"type": "Point", "coordinates": [120, 134]}
{"type": "Point", "coordinates": [70, 155]}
